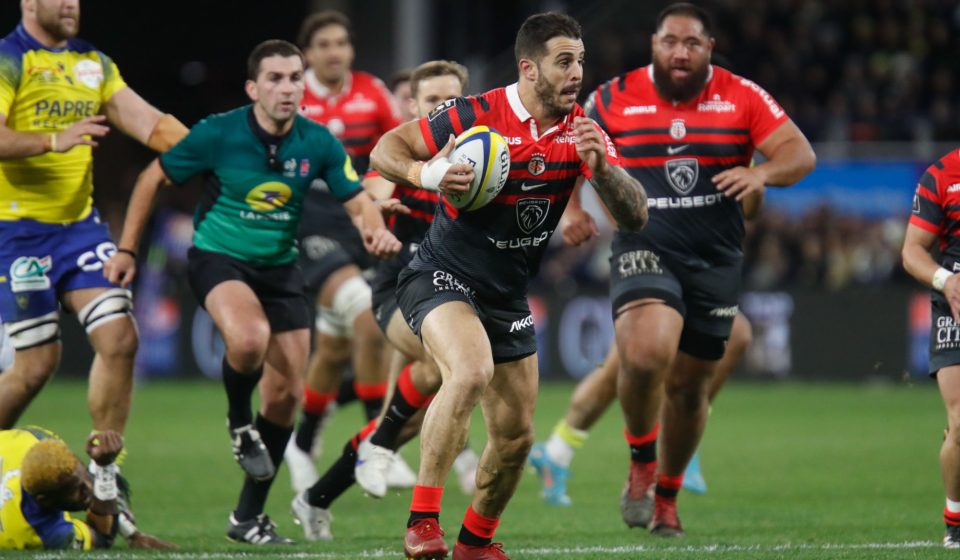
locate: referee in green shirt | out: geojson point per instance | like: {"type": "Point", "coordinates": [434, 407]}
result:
{"type": "Point", "coordinates": [258, 162]}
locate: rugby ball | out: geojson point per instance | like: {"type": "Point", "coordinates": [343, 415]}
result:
{"type": "Point", "coordinates": [487, 152]}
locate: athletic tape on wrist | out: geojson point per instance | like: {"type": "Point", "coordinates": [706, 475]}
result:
{"type": "Point", "coordinates": [432, 173]}
{"type": "Point", "coordinates": [940, 278]}
{"type": "Point", "coordinates": [105, 482]}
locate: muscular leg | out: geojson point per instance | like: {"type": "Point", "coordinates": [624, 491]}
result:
{"type": "Point", "coordinates": [948, 380]}
{"type": "Point", "coordinates": [280, 390]}
{"type": "Point", "coordinates": [368, 363]}
{"type": "Point", "coordinates": [684, 412]}
{"type": "Point", "coordinates": [741, 336]}
{"type": "Point", "coordinates": [114, 341]}
{"type": "Point", "coordinates": [647, 338]}
{"type": "Point", "coordinates": [508, 405]}
{"type": "Point", "coordinates": [467, 369]}
{"type": "Point", "coordinates": [594, 394]}
{"type": "Point", "coordinates": [31, 370]}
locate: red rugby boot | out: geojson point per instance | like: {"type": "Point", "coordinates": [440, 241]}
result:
{"type": "Point", "coordinates": [424, 541]}
{"type": "Point", "coordinates": [492, 551]}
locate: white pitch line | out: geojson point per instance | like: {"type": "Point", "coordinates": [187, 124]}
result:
{"type": "Point", "coordinates": [564, 552]}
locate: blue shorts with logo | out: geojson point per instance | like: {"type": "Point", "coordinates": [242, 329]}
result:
{"type": "Point", "coordinates": [39, 262]}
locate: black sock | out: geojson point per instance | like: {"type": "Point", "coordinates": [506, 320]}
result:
{"type": "Point", "coordinates": [307, 431]}
{"type": "Point", "coordinates": [346, 393]}
{"type": "Point", "coordinates": [254, 493]}
{"type": "Point", "coordinates": [418, 515]}
{"type": "Point", "coordinates": [645, 453]}
{"type": "Point", "coordinates": [336, 481]}
{"type": "Point", "coordinates": [240, 387]}
{"type": "Point", "coordinates": [388, 432]}
{"type": "Point", "coordinates": [470, 539]}
{"type": "Point", "coordinates": [371, 407]}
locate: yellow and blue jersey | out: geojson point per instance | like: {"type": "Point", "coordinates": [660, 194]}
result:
{"type": "Point", "coordinates": [46, 90]}
{"type": "Point", "coordinates": [23, 524]}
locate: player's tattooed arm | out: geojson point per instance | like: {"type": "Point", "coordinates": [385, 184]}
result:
{"type": "Point", "coordinates": [624, 196]}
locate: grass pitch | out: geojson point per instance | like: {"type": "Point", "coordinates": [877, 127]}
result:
{"type": "Point", "coordinates": [794, 471]}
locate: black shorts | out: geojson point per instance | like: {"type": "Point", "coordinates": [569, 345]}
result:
{"type": "Point", "coordinates": [319, 258]}
{"type": "Point", "coordinates": [383, 285]}
{"type": "Point", "coordinates": [279, 288]}
{"type": "Point", "coordinates": [706, 297]}
{"type": "Point", "coordinates": [944, 335]}
{"type": "Point", "coordinates": [509, 324]}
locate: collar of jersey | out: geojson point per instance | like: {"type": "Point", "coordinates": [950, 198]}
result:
{"type": "Point", "coordinates": [323, 91]}
{"type": "Point", "coordinates": [262, 134]}
{"type": "Point", "coordinates": [35, 45]}
{"type": "Point", "coordinates": [513, 98]}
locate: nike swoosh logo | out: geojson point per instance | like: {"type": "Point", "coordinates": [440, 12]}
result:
{"type": "Point", "coordinates": [525, 187]}
{"type": "Point", "coordinates": [677, 149]}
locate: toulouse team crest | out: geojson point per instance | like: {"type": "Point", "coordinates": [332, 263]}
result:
{"type": "Point", "coordinates": [531, 213]}
{"type": "Point", "coordinates": [682, 174]}
{"type": "Point", "coordinates": [537, 165]}
{"type": "Point", "coordinates": [678, 129]}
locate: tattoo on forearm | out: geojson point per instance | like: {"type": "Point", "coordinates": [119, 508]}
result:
{"type": "Point", "coordinates": [624, 196]}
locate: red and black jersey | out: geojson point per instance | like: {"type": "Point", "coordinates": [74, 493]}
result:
{"type": "Point", "coordinates": [936, 206]}
{"type": "Point", "coordinates": [674, 150]}
{"type": "Point", "coordinates": [498, 247]}
{"type": "Point", "coordinates": [358, 116]}
{"type": "Point", "coordinates": [410, 228]}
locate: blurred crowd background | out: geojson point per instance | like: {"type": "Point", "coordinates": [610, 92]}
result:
{"type": "Point", "coordinates": [875, 84]}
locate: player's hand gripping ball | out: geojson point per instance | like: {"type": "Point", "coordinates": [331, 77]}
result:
{"type": "Point", "coordinates": [487, 152]}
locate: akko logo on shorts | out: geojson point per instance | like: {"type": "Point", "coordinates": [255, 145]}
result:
{"type": "Point", "coordinates": [532, 212]}
{"type": "Point", "coordinates": [521, 324]}
{"type": "Point", "coordinates": [725, 312]}
{"type": "Point", "coordinates": [92, 261]}
{"type": "Point", "coordinates": [89, 73]}
{"type": "Point", "coordinates": [678, 129]}
{"type": "Point", "coordinates": [537, 165]}
{"type": "Point", "coordinates": [446, 282]}
{"type": "Point", "coordinates": [682, 174]}
{"type": "Point", "coordinates": [29, 274]}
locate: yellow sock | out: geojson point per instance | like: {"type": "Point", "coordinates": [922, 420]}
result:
{"type": "Point", "coordinates": [571, 436]}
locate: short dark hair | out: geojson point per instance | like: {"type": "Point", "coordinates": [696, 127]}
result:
{"type": "Point", "coordinates": [398, 78]}
{"type": "Point", "coordinates": [540, 28]}
{"type": "Point", "coordinates": [689, 10]}
{"type": "Point", "coordinates": [268, 48]}
{"type": "Point", "coordinates": [435, 68]}
{"type": "Point", "coordinates": [316, 22]}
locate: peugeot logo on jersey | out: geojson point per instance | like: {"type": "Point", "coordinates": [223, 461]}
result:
{"type": "Point", "coordinates": [682, 174]}
{"type": "Point", "coordinates": [268, 196]}
{"type": "Point", "coordinates": [531, 213]}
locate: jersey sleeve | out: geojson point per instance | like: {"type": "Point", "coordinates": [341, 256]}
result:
{"type": "Point", "coordinates": [193, 155]}
{"type": "Point", "coordinates": [11, 66]}
{"type": "Point", "coordinates": [451, 117]}
{"type": "Point", "coordinates": [927, 204]}
{"type": "Point", "coordinates": [338, 172]}
{"type": "Point", "coordinates": [765, 115]}
{"type": "Point", "coordinates": [112, 80]}
{"type": "Point", "coordinates": [56, 529]}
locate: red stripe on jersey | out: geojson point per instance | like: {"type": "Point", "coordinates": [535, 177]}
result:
{"type": "Point", "coordinates": [417, 194]}
{"type": "Point", "coordinates": [450, 208]}
{"type": "Point", "coordinates": [428, 136]}
{"type": "Point", "coordinates": [924, 225]}
{"type": "Point", "coordinates": [928, 195]}
{"type": "Point", "coordinates": [626, 139]}
{"type": "Point", "coordinates": [511, 199]}
{"type": "Point", "coordinates": [421, 215]}
{"type": "Point", "coordinates": [704, 161]}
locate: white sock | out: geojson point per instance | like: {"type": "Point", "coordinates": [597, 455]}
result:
{"type": "Point", "coordinates": [952, 506]}
{"type": "Point", "coordinates": [559, 451]}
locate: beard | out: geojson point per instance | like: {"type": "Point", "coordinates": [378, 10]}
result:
{"type": "Point", "coordinates": [60, 28]}
{"type": "Point", "coordinates": [683, 90]}
{"type": "Point", "coordinates": [550, 99]}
